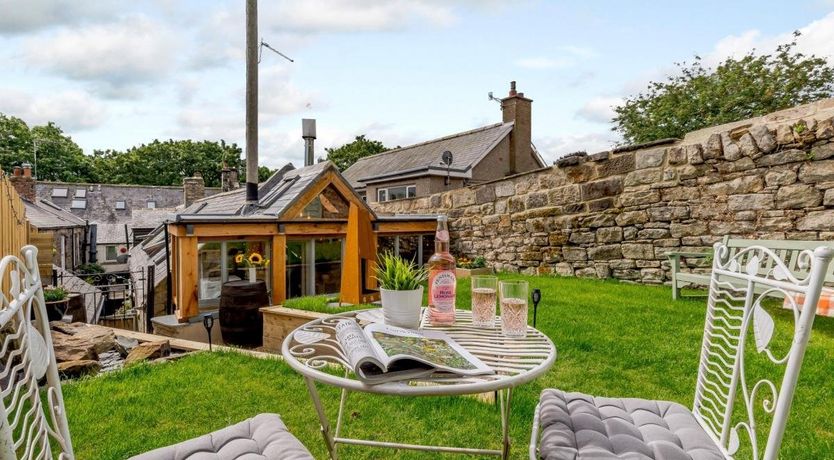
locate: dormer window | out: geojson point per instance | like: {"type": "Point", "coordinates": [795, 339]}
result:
{"type": "Point", "coordinates": [59, 193]}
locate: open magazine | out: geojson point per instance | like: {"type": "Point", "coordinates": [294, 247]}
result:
{"type": "Point", "coordinates": [381, 353]}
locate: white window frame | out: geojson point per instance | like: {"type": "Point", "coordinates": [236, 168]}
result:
{"type": "Point", "coordinates": [410, 192]}
{"type": "Point", "coordinates": [60, 193]}
{"type": "Point", "coordinates": [122, 207]}
{"type": "Point", "coordinates": [115, 249]}
{"type": "Point", "coordinates": [78, 204]}
{"type": "Point", "coordinates": [80, 193]}
{"type": "Point", "coordinates": [151, 204]}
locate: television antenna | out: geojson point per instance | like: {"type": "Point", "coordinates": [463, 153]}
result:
{"type": "Point", "coordinates": [446, 159]}
{"type": "Point", "coordinates": [267, 46]}
{"type": "Point", "coordinates": [493, 98]}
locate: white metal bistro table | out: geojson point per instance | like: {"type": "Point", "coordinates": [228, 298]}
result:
{"type": "Point", "coordinates": [312, 348]}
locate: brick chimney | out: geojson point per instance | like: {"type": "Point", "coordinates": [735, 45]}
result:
{"type": "Point", "coordinates": [229, 179]}
{"type": "Point", "coordinates": [194, 188]}
{"type": "Point", "coordinates": [23, 182]}
{"type": "Point", "coordinates": [518, 109]}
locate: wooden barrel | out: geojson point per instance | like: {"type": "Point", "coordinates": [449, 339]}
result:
{"type": "Point", "coordinates": [240, 321]}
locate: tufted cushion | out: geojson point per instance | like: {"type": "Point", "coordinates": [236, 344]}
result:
{"type": "Point", "coordinates": [576, 426]}
{"type": "Point", "coordinates": [263, 437]}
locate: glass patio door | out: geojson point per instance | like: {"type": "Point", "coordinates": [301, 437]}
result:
{"type": "Point", "coordinates": [314, 266]}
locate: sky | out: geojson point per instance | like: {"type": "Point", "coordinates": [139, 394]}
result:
{"type": "Point", "coordinates": [118, 74]}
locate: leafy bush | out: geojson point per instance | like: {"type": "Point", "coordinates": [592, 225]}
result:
{"type": "Point", "coordinates": [396, 274]}
{"type": "Point", "coordinates": [477, 262]}
{"type": "Point", "coordinates": [91, 268]}
{"type": "Point", "coordinates": [54, 295]}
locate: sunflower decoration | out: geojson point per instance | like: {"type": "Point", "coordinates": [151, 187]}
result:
{"type": "Point", "coordinates": [253, 259]}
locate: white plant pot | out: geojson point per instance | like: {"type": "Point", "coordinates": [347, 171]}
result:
{"type": "Point", "coordinates": [402, 308]}
{"type": "Point", "coordinates": [253, 274]}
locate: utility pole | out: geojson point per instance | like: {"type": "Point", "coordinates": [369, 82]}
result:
{"type": "Point", "coordinates": [252, 48]}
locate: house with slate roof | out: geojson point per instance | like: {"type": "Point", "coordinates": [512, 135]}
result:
{"type": "Point", "coordinates": [480, 155]}
{"type": "Point", "coordinates": [68, 232]}
{"type": "Point", "coordinates": [317, 232]}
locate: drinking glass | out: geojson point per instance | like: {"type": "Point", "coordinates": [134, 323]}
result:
{"type": "Point", "coordinates": [513, 295]}
{"type": "Point", "coordinates": [484, 295]}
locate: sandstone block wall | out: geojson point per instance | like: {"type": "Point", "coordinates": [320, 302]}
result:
{"type": "Point", "coordinates": [617, 213]}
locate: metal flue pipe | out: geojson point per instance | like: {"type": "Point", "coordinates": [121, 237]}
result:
{"type": "Point", "coordinates": [252, 101]}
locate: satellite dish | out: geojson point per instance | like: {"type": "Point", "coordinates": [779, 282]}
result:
{"type": "Point", "coordinates": [446, 159]}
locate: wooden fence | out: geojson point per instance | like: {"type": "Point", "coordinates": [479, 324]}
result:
{"type": "Point", "coordinates": [14, 228]}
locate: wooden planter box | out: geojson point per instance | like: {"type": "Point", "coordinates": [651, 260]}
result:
{"type": "Point", "coordinates": [467, 272]}
{"type": "Point", "coordinates": [280, 321]}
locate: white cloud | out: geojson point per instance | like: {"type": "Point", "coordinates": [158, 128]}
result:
{"type": "Point", "coordinates": [325, 16]}
{"type": "Point", "coordinates": [817, 38]}
{"type": "Point", "coordinates": [115, 57]}
{"type": "Point", "coordinates": [599, 109]}
{"type": "Point", "coordinates": [554, 147]}
{"type": "Point", "coordinates": [279, 96]}
{"type": "Point", "coordinates": [19, 17]}
{"type": "Point", "coordinates": [71, 110]}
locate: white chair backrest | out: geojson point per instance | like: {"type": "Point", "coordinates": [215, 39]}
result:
{"type": "Point", "coordinates": [29, 429]}
{"type": "Point", "coordinates": [738, 287]}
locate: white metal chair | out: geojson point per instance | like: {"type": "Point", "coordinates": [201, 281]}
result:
{"type": "Point", "coordinates": [30, 430]}
{"type": "Point", "coordinates": [577, 426]}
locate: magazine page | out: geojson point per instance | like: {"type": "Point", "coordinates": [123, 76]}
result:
{"type": "Point", "coordinates": [356, 346]}
{"type": "Point", "coordinates": [401, 347]}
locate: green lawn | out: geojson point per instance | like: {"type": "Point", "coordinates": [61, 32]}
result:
{"type": "Point", "coordinates": [613, 339]}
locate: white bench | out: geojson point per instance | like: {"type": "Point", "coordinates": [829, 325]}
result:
{"type": "Point", "coordinates": [787, 250]}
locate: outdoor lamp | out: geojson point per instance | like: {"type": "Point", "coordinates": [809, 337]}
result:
{"type": "Point", "coordinates": [536, 295]}
{"type": "Point", "coordinates": [208, 323]}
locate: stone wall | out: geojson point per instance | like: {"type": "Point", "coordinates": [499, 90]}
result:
{"type": "Point", "coordinates": [617, 213]}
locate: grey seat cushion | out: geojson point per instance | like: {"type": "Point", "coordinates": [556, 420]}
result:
{"type": "Point", "coordinates": [576, 426]}
{"type": "Point", "coordinates": [263, 437]}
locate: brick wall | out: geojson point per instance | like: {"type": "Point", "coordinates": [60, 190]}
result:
{"type": "Point", "coordinates": [616, 214]}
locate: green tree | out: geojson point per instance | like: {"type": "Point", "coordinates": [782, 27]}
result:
{"type": "Point", "coordinates": [343, 157]}
{"type": "Point", "coordinates": [167, 162]}
{"type": "Point", "coordinates": [742, 88]}
{"type": "Point", "coordinates": [59, 158]}
{"type": "Point", "coordinates": [263, 173]}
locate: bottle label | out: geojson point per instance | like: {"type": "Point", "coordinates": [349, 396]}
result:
{"type": "Point", "coordinates": [442, 285]}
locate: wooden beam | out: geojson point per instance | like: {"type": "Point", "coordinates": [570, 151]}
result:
{"type": "Point", "coordinates": [188, 278]}
{"type": "Point", "coordinates": [315, 228]}
{"type": "Point", "coordinates": [360, 244]}
{"type": "Point", "coordinates": [294, 211]}
{"type": "Point", "coordinates": [351, 284]}
{"type": "Point", "coordinates": [279, 269]}
{"type": "Point", "coordinates": [417, 226]}
{"type": "Point", "coordinates": [328, 178]}
{"type": "Point", "coordinates": [227, 230]}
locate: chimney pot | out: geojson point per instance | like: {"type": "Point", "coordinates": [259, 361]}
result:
{"type": "Point", "coordinates": [23, 182]}
{"type": "Point", "coordinates": [308, 133]}
{"type": "Point", "coordinates": [517, 109]}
